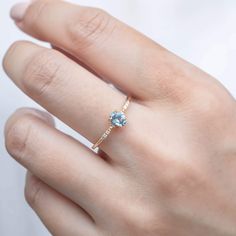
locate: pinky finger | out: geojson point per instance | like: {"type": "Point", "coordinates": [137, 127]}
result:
{"type": "Point", "coordinates": [60, 215]}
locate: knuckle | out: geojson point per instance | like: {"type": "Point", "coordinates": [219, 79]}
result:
{"type": "Point", "coordinates": [180, 180]}
{"type": "Point", "coordinates": [89, 26]}
{"type": "Point", "coordinates": [17, 136]}
{"type": "Point", "coordinates": [210, 103]}
{"type": "Point", "coordinates": [141, 218]}
{"type": "Point", "coordinates": [165, 75]}
{"type": "Point", "coordinates": [33, 189]}
{"type": "Point", "coordinates": [40, 72]}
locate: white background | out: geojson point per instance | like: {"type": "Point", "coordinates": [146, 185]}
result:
{"type": "Point", "coordinates": [202, 32]}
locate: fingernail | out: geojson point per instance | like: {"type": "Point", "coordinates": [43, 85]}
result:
{"type": "Point", "coordinates": [18, 11]}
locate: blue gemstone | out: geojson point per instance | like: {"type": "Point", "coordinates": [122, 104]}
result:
{"type": "Point", "coordinates": [118, 119]}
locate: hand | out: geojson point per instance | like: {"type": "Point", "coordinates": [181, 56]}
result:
{"type": "Point", "coordinates": [170, 171]}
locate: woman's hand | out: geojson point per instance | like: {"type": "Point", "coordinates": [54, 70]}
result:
{"type": "Point", "coordinates": [170, 171]}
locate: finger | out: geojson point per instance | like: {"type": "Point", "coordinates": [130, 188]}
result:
{"type": "Point", "coordinates": [130, 60]}
{"type": "Point", "coordinates": [76, 60]}
{"type": "Point", "coordinates": [64, 88]}
{"type": "Point", "coordinates": [60, 161]}
{"type": "Point", "coordinates": [60, 215]}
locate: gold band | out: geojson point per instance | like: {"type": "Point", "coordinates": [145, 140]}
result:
{"type": "Point", "coordinates": [112, 126]}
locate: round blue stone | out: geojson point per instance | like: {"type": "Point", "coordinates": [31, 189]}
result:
{"type": "Point", "coordinates": [118, 119]}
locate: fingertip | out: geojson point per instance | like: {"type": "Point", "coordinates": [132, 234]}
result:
{"type": "Point", "coordinates": [44, 116]}
{"type": "Point", "coordinates": [18, 11]}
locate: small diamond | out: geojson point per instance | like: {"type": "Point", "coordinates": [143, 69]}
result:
{"type": "Point", "coordinates": [118, 119]}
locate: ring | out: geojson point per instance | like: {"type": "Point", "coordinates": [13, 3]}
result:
{"type": "Point", "coordinates": [117, 119]}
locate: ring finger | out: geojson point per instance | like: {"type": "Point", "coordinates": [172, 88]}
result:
{"type": "Point", "coordinates": [64, 88]}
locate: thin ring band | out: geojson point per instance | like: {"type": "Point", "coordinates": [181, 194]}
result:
{"type": "Point", "coordinates": [117, 119]}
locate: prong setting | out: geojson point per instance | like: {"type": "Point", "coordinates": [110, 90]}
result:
{"type": "Point", "coordinates": [116, 119]}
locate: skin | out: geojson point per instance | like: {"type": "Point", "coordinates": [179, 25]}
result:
{"type": "Point", "coordinates": [170, 171]}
